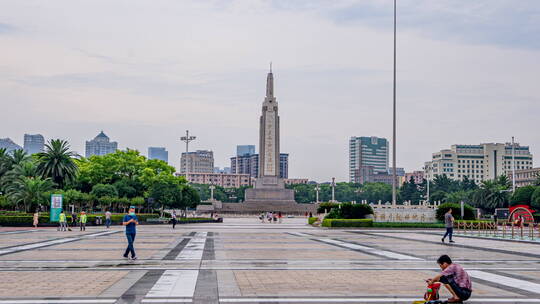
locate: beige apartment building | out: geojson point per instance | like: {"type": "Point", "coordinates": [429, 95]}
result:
{"type": "Point", "coordinates": [525, 177]}
{"type": "Point", "coordinates": [225, 180]}
{"type": "Point", "coordinates": [200, 161]}
{"type": "Point", "coordinates": [478, 162]}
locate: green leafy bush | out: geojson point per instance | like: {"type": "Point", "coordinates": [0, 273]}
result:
{"type": "Point", "coordinates": [469, 211]}
{"type": "Point", "coordinates": [407, 225]}
{"type": "Point", "coordinates": [326, 207]}
{"type": "Point", "coordinates": [347, 223]}
{"type": "Point", "coordinates": [535, 198]}
{"type": "Point", "coordinates": [522, 195]}
{"type": "Point", "coordinates": [355, 211]}
{"type": "Point", "coordinates": [312, 220]}
{"type": "Point", "coordinates": [349, 211]}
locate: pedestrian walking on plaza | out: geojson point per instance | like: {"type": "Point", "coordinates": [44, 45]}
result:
{"type": "Point", "coordinates": [454, 278]}
{"type": "Point", "coordinates": [36, 219]}
{"type": "Point", "coordinates": [82, 220]}
{"type": "Point", "coordinates": [108, 218]}
{"type": "Point", "coordinates": [62, 221]}
{"type": "Point", "coordinates": [73, 219]}
{"type": "Point", "coordinates": [173, 216]}
{"type": "Point", "coordinates": [280, 216]}
{"type": "Point", "coordinates": [261, 217]}
{"type": "Point", "coordinates": [130, 221]}
{"type": "Point", "coordinates": [449, 224]}
{"type": "Point", "coordinates": [274, 217]}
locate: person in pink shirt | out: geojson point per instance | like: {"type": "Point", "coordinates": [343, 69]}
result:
{"type": "Point", "coordinates": [454, 278]}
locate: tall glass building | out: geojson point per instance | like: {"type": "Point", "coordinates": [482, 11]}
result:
{"type": "Point", "coordinates": [245, 150]}
{"type": "Point", "coordinates": [367, 153]}
{"type": "Point", "coordinates": [158, 153]}
{"type": "Point", "coordinates": [100, 145]}
{"type": "Point", "coordinates": [33, 143]}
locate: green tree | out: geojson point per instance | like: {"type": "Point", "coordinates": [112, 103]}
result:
{"type": "Point", "coordinates": [190, 197]}
{"type": "Point", "coordinates": [410, 191]}
{"type": "Point", "coordinates": [373, 192]}
{"type": "Point", "coordinates": [492, 194]}
{"type": "Point", "coordinates": [127, 188]}
{"type": "Point", "coordinates": [459, 196]}
{"type": "Point", "coordinates": [535, 199]}
{"type": "Point", "coordinates": [166, 191]}
{"type": "Point", "coordinates": [57, 162]}
{"type": "Point", "coordinates": [101, 190]}
{"type": "Point", "coordinates": [29, 191]}
{"type": "Point", "coordinates": [445, 184]}
{"type": "Point", "coordinates": [522, 195]}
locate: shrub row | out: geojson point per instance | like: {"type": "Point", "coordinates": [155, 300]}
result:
{"type": "Point", "coordinates": [27, 219]}
{"type": "Point", "coordinates": [407, 225]}
{"type": "Point", "coordinates": [312, 220]}
{"type": "Point", "coordinates": [347, 223]}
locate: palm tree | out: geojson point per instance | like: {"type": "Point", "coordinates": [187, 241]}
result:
{"type": "Point", "coordinates": [492, 194]}
{"type": "Point", "coordinates": [57, 162]}
{"type": "Point", "coordinates": [29, 191]}
{"type": "Point", "coordinates": [24, 169]}
{"type": "Point", "coordinates": [20, 156]}
{"type": "Point", "coordinates": [6, 162]}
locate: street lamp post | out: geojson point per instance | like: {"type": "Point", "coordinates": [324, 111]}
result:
{"type": "Point", "coordinates": [333, 189]}
{"type": "Point", "coordinates": [212, 187]}
{"type": "Point", "coordinates": [394, 173]}
{"type": "Point", "coordinates": [187, 139]}
{"type": "Point", "coordinates": [317, 189]}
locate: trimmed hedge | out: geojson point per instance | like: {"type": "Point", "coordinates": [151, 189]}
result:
{"type": "Point", "coordinates": [347, 223]}
{"type": "Point", "coordinates": [28, 219]}
{"type": "Point", "coordinates": [469, 212]}
{"type": "Point", "coordinates": [407, 225]}
{"type": "Point", "coordinates": [312, 220]}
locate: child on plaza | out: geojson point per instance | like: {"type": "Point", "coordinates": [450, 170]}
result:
{"type": "Point", "coordinates": [36, 219]}
{"type": "Point", "coordinates": [62, 220]}
{"type": "Point", "coordinates": [82, 220]}
{"type": "Point", "coordinates": [454, 278]}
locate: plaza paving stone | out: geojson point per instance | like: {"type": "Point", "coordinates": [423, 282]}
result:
{"type": "Point", "coordinates": [244, 261]}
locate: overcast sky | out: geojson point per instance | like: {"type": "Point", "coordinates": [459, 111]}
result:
{"type": "Point", "coordinates": [145, 71]}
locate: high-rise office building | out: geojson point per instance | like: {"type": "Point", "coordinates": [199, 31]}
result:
{"type": "Point", "coordinates": [100, 145]}
{"type": "Point", "coordinates": [249, 164]}
{"type": "Point", "coordinates": [9, 145]}
{"type": "Point", "coordinates": [200, 161]}
{"type": "Point", "coordinates": [158, 153]}
{"type": "Point", "coordinates": [245, 150]}
{"type": "Point", "coordinates": [478, 162]}
{"type": "Point", "coordinates": [399, 171]}
{"type": "Point", "coordinates": [34, 143]}
{"type": "Point", "coordinates": [367, 152]}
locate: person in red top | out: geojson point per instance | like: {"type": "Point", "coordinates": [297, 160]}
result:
{"type": "Point", "coordinates": [454, 278]}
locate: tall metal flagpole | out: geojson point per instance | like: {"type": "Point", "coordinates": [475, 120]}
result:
{"type": "Point", "coordinates": [394, 173]}
{"type": "Point", "coordinates": [513, 166]}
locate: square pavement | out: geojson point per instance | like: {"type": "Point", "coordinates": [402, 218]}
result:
{"type": "Point", "coordinates": [244, 261]}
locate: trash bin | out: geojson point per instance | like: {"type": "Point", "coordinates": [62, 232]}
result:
{"type": "Point", "coordinates": [99, 220]}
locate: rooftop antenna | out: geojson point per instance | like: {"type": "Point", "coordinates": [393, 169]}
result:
{"type": "Point", "coordinates": [270, 66]}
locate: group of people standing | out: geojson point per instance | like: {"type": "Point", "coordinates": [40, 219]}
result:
{"type": "Point", "coordinates": [271, 217]}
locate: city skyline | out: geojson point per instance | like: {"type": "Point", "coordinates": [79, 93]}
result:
{"type": "Point", "coordinates": [475, 85]}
